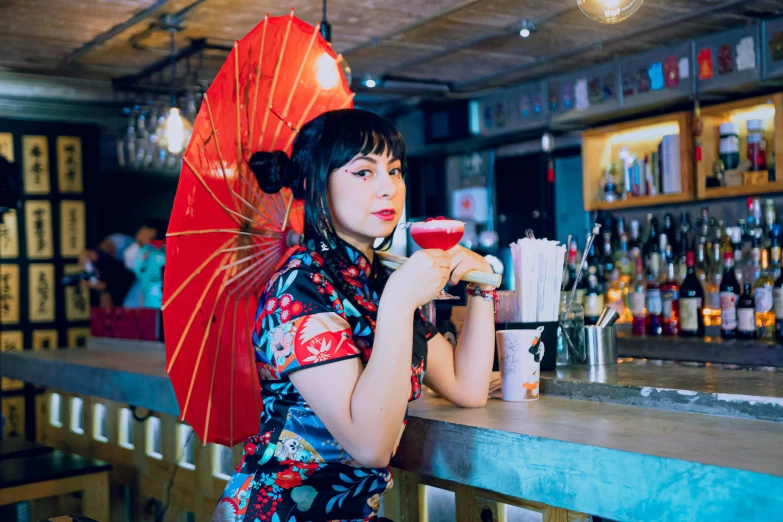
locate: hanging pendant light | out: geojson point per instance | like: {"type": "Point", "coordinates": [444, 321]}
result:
{"type": "Point", "coordinates": [609, 11]}
{"type": "Point", "coordinates": [177, 129]}
{"type": "Point", "coordinates": [326, 32]}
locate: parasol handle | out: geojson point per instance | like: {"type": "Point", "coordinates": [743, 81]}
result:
{"type": "Point", "coordinates": [480, 278]}
{"type": "Point", "coordinates": [394, 262]}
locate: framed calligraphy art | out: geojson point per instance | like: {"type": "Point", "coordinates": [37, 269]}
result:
{"type": "Point", "coordinates": [35, 155]}
{"type": "Point", "coordinates": [69, 165]}
{"type": "Point", "coordinates": [45, 340]}
{"type": "Point", "coordinates": [9, 294]}
{"type": "Point", "coordinates": [9, 236]}
{"type": "Point", "coordinates": [77, 337]}
{"type": "Point", "coordinates": [72, 228]}
{"type": "Point", "coordinates": [7, 146]}
{"type": "Point", "coordinates": [38, 225]}
{"type": "Point", "coordinates": [41, 294]}
{"type": "Point", "coordinates": [13, 411]}
{"type": "Point", "coordinates": [11, 341]}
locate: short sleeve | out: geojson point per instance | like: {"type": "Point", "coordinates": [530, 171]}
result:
{"type": "Point", "coordinates": [302, 324]}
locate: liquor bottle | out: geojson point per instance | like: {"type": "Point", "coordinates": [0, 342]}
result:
{"type": "Point", "coordinates": [763, 290]}
{"type": "Point", "coordinates": [654, 298]}
{"type": "Point", "coordinates": [753, 265]}
{"type": "Point", "coordinates": [635, 245]}
{"type": "Point", "coordinates": [769, 217]}
{"type": "Point", "coordinates": [729, 294]}
{"type": "Point", "coordinates": [774, 254]}
{"type": "Point", "coordinates": [652, 247]}
{"type": "Point", "coordinates": [668, 230]}
{"type": "Point", "coordinates": [736, 245]}
{"type": "Point", "coordinates": [778, 304]}
{"type": "Point", "coordinates": [639, 297]}
{"type": "Point", "coordinates": [670, 296]}
{"type": "Point", "coordinates": [685, 229]}
{"type": "Point", "coordinates": [594, 298]}
{"type": "Point", "coordinates": [746, 315]}
{"type": "Point", "coordinates": [702, 267]}
{"type": "Point", "coordinates": [691, 299]}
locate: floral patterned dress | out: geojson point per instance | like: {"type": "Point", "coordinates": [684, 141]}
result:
{"type": "Point", "coordinates": [294, 470]}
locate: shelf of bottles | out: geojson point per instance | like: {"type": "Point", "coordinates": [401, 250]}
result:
{"type": "Point", "coordinates": [676, 277]}
{"type": "Point", "coordinates": [736, 144]}
{"type": "Point", "coordinates": [640, 163]}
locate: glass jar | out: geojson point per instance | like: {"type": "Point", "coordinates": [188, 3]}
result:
{"type": "Point", "coordinates": [729, 146]}
{"type": "Point", "coordinates": [571, 322]}
{"type": "Point", "coordinates": [757, 146]}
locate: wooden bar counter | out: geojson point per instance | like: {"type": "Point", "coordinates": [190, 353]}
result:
{"type": "Point", "coordinates": [619, 461]}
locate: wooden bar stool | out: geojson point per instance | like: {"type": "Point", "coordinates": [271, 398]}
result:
{"type": "Point", "coordinates": [56, 473]}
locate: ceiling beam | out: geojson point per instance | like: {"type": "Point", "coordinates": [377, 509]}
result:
{"type": "Point", "coordinates": [666, 23]}
{"type": "Point", "coordinates": [114, 31]}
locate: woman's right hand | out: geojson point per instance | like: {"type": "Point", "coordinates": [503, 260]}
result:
{"type": "Point", "coordinates": [421, 277]}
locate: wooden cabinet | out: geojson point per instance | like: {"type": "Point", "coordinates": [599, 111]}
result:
{"type": "Point", "coordinates": [769, 109]}
{"type": "Point", "coordinates": [601, 147]}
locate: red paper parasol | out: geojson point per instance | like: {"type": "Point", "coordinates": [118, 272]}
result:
{"type": "Point", "coordinates": [226, 237]}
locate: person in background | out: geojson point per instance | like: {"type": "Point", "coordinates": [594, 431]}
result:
{"type": "Point", "coordinates": [114, 261]}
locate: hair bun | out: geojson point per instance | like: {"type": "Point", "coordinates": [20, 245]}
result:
{"type": "Point", "coordinates": [273, 170]}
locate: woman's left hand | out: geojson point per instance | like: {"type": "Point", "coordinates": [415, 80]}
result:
{"type": "Point", "coordinates": [464, 261]}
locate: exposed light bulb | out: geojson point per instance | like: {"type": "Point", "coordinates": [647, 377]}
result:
{"type": "Point", "coordinates": [528, 26]}
{"type": "Point", "coordinates": [175, 131]}
{"type": "Point", "coordinates": [609, 11]}
{"type": "Point", "coordinates": [370, 84]}
{"type": "Point", "coordinates": [326, 71]}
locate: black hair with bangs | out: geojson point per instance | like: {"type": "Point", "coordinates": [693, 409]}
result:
{"type": "Point", "coordinates": [322, 146]}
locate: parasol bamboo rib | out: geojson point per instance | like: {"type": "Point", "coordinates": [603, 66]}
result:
{"type": "Point", "coordinates": [348, 101]}
{"type": "Point", "coordinates": [246, 270]}
{"type": "Point", "coordinates": [250, 186]}
{"type": "Point", "coordinates": [231, 377]}
{"type": "Point", "coordinates": [214, 231]}
{"type": "Point", "coordinates": [240, 158]}
{"type": "Point", "coordinates": [284, 114]}
{"type": "Point", "coordinates": [204, 339]}
{"type": "Point", "coordinates": [214, 371]}
{"type": "Point", "coordinates": [274, 79]}
{"type": "Point", "coordinates": [196, 309]}
{"type": "Point", "coordinates": [220, 155]}
{"type": "Point", "coordinates": [288, 210]}
{"type": "Point", "coordinates": [236, 249]}
{"type": "Point", "coordinates": [247, 285]}
{"type": "Point", "coordinates": [209, 190]}
{"type": "Point", "coordinates": [305, 114]}
{"type": "Point", "coordinates": [260, 252]}
{"type": "Point", "coordinates": [252, 118]}
{"type": "Point", "coordinates": [255, 210]}
{"type": "Point", "coordinates": [196, 272]}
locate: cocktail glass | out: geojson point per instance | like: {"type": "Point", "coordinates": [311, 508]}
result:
{"type": "Point", "coordinates": [443, 234]}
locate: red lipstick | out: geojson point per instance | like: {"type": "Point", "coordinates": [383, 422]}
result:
{"type": "Point", "coordinates": [386, 214]}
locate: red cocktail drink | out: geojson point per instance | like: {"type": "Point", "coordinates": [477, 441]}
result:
{"type": "Point", "coordinates": [443, 234]}
{"type": "Point", "coordinates": [439, 233]}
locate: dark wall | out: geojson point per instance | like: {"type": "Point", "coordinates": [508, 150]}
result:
{"type": "Point", "coordinates": [127, 199]}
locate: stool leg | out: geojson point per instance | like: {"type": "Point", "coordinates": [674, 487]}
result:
{"type": "Point", "coordinates": [96, 496]}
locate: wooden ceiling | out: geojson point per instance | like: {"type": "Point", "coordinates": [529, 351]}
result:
{"type": "Point", "coordinates": [467, 45]}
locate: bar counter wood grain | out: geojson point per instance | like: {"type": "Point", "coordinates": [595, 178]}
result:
{"type": "Point", "coordinates": [617, 461]}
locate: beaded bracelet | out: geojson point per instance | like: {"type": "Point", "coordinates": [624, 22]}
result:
{"type": "Point", "coordinates": [487, 295]}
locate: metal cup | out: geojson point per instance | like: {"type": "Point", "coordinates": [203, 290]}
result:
{"type": "Point", "coordinates": [608, 317]}
{"type": "Point", "coordinates": [601, 345]}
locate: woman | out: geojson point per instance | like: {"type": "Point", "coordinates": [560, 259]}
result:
{"type": "Point", "coordinates": [340, 345]}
